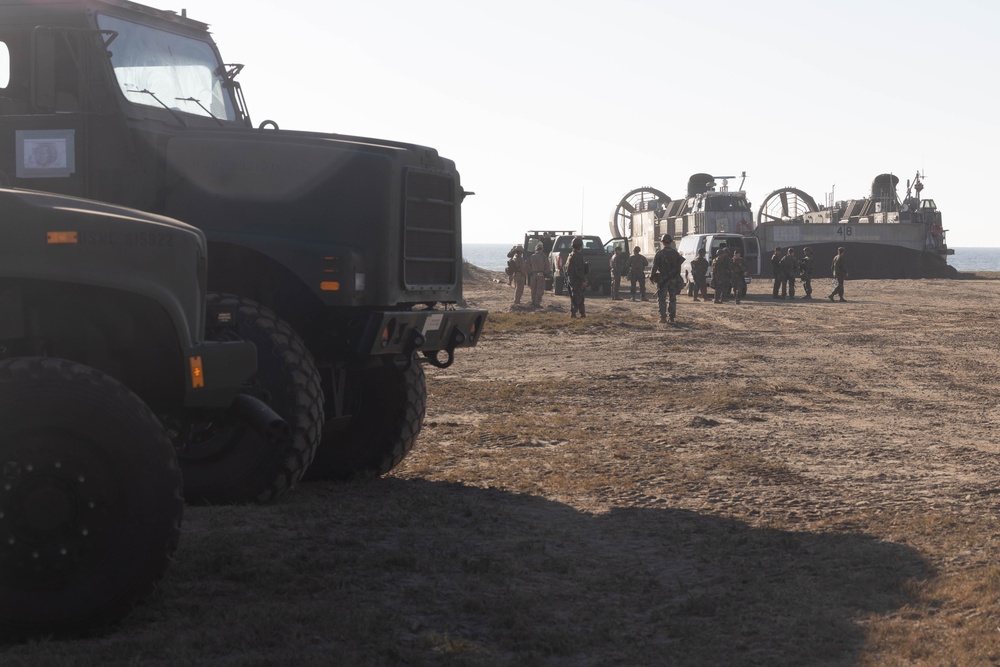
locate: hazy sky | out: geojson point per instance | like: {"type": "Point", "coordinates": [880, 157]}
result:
{"type": "Point", "coordinates": [554, 109]}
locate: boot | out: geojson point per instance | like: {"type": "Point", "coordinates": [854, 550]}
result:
{"type": "Point", "coordinates": [663, 320]}
{"type": "Point", "coordinates": [830, 297]}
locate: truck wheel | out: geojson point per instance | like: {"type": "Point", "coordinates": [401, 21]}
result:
{"type": "Point", "coordinates": [90, 498]}
{"type": "Point", "coordinates": [387, 408]}
{"type": "Point", "coordinates": [557, 285]}
{"type": "Point", "coordinates": [227, 462]}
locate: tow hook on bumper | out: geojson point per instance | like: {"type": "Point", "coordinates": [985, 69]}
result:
{"type": "Point", "coordinates": [457, 338]}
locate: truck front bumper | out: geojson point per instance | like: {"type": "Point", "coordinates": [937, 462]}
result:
{"type": "Point", "coordinates": [216, 371]}
{"type": "Point", "coordinates": [407, 331]}
{"type": "Point", "coordinates": [352, 335]}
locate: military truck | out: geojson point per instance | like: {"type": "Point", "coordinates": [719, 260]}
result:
{"type": "Point", "coordinates": [104, 374]}
{"type": "Point", "coordinates": [338, 256]}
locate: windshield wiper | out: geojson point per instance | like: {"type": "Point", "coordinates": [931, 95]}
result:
{"type": "Point", "coordinates": [153, 95]}
{"type": "Point", "coordinates": [198, 102]}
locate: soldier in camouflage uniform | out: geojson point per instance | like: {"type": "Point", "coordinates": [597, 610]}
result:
{"type": "Point", "coordinates": [538, 269]}
{"type": "Point", "coordinates": [699, 275]}
{"type": "Point", "coordinates": [788, 266]}
{"type": "Point", "coordinates": [776, 270]}
{"type": "Point", "coordinates": [738, 278]}
{"type": "Point", "coordinates": [839, 270]}
{"type": "Point", "coordinates": [637, 272]}
{"type": "Point", "coordinates": [666, 274]}
{"type": "Point", "coordinates": [806, 271]}
{"type": "Point", "coordinates": [519, 273]}
{"type": "Point", "coordinates": [576, 279]}
{"type": "Point", "coordinates": [721, 274]}
{"type": "Point", "coordinates": [619, 268]}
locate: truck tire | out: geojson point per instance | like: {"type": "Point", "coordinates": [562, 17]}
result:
{"type": "Point", "coordinates": [387, 408]}
{"type": "Point", "coordinates": [90, 498]}
{"type": "Point", "coordinates": [227, 462]}
{"type": "Point", "coordinates": [557, 285]}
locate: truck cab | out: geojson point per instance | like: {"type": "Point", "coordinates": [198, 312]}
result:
{"type": "Point", "coordinates": [342, 251]}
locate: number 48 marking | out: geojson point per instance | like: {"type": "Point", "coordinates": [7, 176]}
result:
{"type": "Point", "coordinates": [845, 231]}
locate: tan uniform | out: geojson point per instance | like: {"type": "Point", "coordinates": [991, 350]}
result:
{"type": "Point", "coordinates": [538, 269]}
{"type": "Point", "coordinates": [520, 276]}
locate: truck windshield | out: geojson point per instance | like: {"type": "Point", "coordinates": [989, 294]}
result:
{"type": "Point", "coordinates": [157, 68]}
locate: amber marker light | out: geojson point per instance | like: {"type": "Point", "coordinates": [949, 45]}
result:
{"type": "Point", "coordinates": [387, 332]}
{"type": "Point", "coordinates": [197, 375]}
{"type": "Point", "coordinates": [55, 238]}
{"type": "Point", "coordinates": [330, 286]}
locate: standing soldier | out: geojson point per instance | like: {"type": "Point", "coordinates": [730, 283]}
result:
{"type": "Point", "coordinates": [721, 274]}
{"type": "Point", "coordinates": [667, 276]}
{"type": "Point", "coordinates": [806, 269]}
{"type": "Point", "coordinates": [788, 266]}
{"type": "Point", "coordinates": [619, 266]}
{"type": "Point", "coordinates": [519, 273]}
{"type": "Point", "coordinates": [510, 262]}
{"type": "Point", "coordinates": [576, 279]}
{"type": "Point", "coordinates": [776, 270]}
{"type": "Point", "coordinates": [637, 264]}
{"type": "Point", "coordinates": [739, 272]}
{"type": "Point", "coordinates": [538, 269]}
{"type": "Point", "coordinates": [839, 269]}
{"type": "Point", "coordinates": [699, 274]}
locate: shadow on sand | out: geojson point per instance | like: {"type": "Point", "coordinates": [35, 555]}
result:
{"type": "Point", "coordinates": [398, 571]}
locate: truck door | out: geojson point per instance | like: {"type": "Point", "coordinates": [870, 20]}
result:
{"type": "Point", "coordinates": [751, 253]}
{"type": "Point", "coordinates": [42, 124]}
{"type": "Point", "coordinates": [717, 243]}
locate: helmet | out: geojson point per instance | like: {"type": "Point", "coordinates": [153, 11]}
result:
{"type": "Point", "coordinates": [539, 247]}
{"type": "Point", "coordinates": [665, 239]}
{"type": "Point", "coordinates": [577, 242]}
{"type": "Point", "coordinates": [807, 250]}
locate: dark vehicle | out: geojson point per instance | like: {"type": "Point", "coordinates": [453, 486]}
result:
{"type": "Point", "coordinates": [595, 255]}
{"type": "Point", "coordinates": [339, 257]}
{"type": "Point", "coordinates": [102, 346]}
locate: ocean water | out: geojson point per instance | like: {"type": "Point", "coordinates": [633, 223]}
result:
{"type": "Point", "coordinates": [493, 257]}
{"type": "Point", "coordinates": [489, 256]}
{"type": "Point", "coordinates": [976, 259]}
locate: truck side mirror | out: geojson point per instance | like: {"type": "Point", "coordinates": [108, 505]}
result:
{"type": "Point", "coordinates": [43, 70]}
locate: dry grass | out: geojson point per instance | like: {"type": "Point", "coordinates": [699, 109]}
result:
{"type": "Point", "coordinates": [608, 492]}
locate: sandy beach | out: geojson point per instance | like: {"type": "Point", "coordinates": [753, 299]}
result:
{"type": "Point", "coordinates": [770, 483]}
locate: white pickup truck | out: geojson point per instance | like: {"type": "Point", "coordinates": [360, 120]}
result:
{"type": "Point", "coordinates": [688, 246]}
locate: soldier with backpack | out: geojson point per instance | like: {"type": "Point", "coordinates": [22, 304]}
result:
{"type": "Point", "coordinates": [666, 274]}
